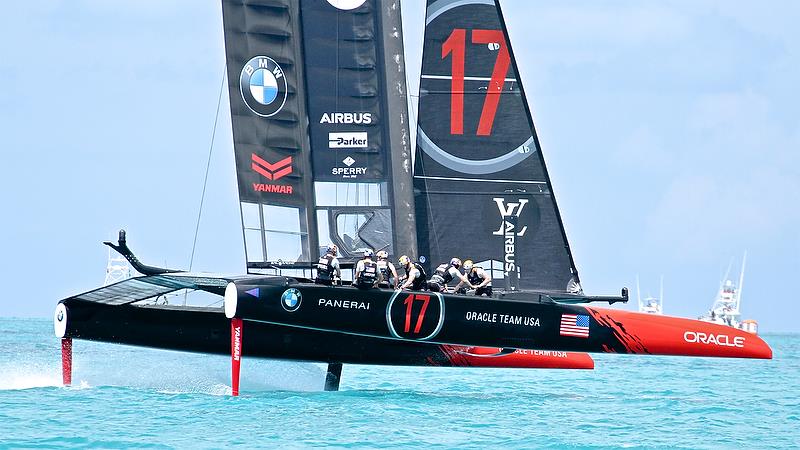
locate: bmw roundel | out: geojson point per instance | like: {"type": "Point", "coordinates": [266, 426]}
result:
{"type": "Point", "coordinates": [291, 299]}
{"type": "Point", "coordinates": [263, 86]}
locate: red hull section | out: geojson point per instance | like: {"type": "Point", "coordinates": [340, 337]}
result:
{"type": "Point", "coordinates": [664, 335]}
{"type": "Point", "coordinates": [519, 359]}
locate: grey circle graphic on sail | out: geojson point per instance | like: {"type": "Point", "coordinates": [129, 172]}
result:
{"type": "Point", "coordinates": [291, 299]}
{"type": "Point", "coordinates": [263, 86]}
{"type": "Point", "coordinates": [472, 117]}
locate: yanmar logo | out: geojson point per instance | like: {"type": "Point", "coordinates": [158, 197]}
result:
{"type": "Point", "coordinates": [510, 230]}
{"type": "Point", "coordinates": [722, 340]}
{"type": "Point", "coordinates": [272, 171]}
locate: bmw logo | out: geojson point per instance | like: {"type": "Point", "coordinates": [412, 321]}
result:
{"type": "Point", "coordinates": [263, 86]}
{"type": "Point", "coordinates": [291, 299]}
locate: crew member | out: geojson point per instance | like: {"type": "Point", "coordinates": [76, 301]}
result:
{"type": "Point", "coordinates": [328, 269]}
{"type": "Point", "coordinates": [444, 274]}
{"type": "Point", "coordinates": [479, 279]}
{"type": "Point", "coordinates": [387, 270]}
{"type": "Point", "coordinates": [416, 279]}
{"type": "Point", "coordinates": [367, 274]}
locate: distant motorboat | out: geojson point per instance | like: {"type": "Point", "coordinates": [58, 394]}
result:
{"type": "Point", "coordinates": [725, 310]}
{"type": "Point", "coordinates": [650, 304]}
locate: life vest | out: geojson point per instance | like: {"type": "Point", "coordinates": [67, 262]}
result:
{"type": "Point", "coordinates": [369, 275]}
{"type": "Point", "coordinates": [473, 277]}
{"type": "Point", "coordinates": [421, 281]}
{"type": "Point", "coordinates": [383, 268]}
{"type": "Point", "coordinates": [325, 267]}
{"type": "Point", "coordinates": [442, 274]}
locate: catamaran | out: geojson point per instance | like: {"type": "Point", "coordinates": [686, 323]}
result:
{"type": "Point", "coordinates": [323, 155]}
{"type": "Point", "coordinates": [725, 309]}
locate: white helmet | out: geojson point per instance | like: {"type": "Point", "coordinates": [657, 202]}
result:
{"type": "Point", "coordinates": [383, 254]}
{"type": "Point", "coordinates": [333, 249]}
{"type": "Point", "coordinates": [368, 253]}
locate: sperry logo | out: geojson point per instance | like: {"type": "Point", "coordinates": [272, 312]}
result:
{"type": "Point", "coordinates": [507, 210]}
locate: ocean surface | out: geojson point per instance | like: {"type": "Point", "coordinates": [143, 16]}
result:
{"type": "Point", "coordinates": [133, 397]}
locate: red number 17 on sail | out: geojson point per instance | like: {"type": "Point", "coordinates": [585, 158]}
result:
{"type": "Point", "coordinates": [455, 46]}
{"type": "Point", "coordinates": [409, 302]}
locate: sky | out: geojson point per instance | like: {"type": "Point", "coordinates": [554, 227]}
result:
{"type": "Point", "coordinates": [671, 131]}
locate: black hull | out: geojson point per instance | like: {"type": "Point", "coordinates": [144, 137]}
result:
{"type": "Point", "coordinates": [207, 330]}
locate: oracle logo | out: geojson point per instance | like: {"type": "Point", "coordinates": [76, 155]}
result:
{"type": "Point", "coordinates": [722, 340]}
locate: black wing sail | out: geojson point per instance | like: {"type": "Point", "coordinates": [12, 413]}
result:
{"type": "Point", "coordinates": [481, 186]}
{"type": "Point", "coordinates": [268, 114]}
{"type": "Point", "coordinates": [312, 85]}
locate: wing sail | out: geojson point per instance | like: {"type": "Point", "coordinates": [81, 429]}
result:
{"type": "Point", "coordinates": [479, 174]}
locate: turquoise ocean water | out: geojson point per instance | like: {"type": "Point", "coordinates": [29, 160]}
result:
{"type": "Point", "coordinates": [134, 397]}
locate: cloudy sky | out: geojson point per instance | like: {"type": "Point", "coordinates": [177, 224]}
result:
{"type": "Point", "coordinates": [671, 131]}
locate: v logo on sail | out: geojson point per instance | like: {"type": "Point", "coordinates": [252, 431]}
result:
{"type": "Point", "coordinates": [510, 209]}
{"type": "Point", "coordinates": [274, 171]}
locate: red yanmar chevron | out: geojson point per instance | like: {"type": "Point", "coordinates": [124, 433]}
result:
{"type": "Point", "coordinates": [274, 171]}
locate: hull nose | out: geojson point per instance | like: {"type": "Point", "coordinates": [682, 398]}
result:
{"type": "Point", "coordinates": [665, 335]}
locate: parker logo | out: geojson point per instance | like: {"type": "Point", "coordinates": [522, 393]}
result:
{"type": "Point", "coordinates": [263, 86]}
{"type": "Point", "coordinates": [272, 171]}
{"type": "Point", "coordinates": [348, 140]}
{"type": "Point", "coordinates": [347, 118]}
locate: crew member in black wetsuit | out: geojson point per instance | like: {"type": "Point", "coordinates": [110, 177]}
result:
{"type": "Point", "coordinates": [444, 274]}
{"type": "Point", "coordinates": [367, 274]}
{"type": "Point", "coordinates": [478, 279]}
{"type": "Point", "coordinates": [387, 271]}
{"type": "Point", "coordinates": [416, 279]}
{"type": "Point", "coordinates": [328, 270]}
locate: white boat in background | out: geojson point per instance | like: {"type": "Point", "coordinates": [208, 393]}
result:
{"type": "Point", "coordinates": [650, 304]}
{"type": "Point", "coordinates": [726, 307]}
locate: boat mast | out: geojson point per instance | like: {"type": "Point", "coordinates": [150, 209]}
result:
{"type": "Point", "coordinates": [741, 282]}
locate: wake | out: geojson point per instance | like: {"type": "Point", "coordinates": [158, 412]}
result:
{"type": "Point", "coordinates": [162, 371]}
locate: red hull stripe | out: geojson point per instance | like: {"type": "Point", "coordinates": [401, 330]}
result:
{"type": "Point", "coordinates": [520, 359]}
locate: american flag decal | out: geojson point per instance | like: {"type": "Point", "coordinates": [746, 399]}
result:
{"type": "Point", "coordinates": [576, 325]}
